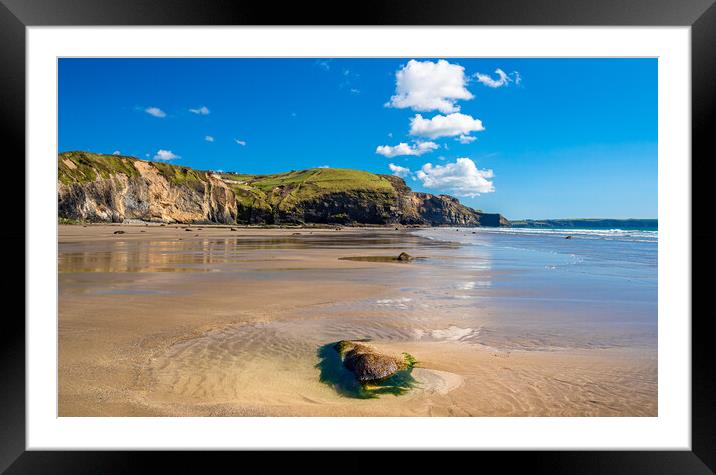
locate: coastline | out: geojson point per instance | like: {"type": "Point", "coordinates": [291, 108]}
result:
{"type": "Point", "coordinates": [221, 322]}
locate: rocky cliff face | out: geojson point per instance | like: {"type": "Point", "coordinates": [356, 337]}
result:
{"type": "Point", "coordinates": [147, 195]}
{"type": "Point", "coordinates": [108, 188]}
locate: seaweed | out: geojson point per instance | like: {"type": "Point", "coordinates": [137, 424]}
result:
{"type": "Point", "coordinates": [336, 375]}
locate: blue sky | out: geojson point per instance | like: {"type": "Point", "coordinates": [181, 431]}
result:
{"type": "Point", "coordinates": [529, 138]}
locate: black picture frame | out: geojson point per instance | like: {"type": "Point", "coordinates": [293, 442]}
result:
{"type": "Point", "coordinates": [16, 15]}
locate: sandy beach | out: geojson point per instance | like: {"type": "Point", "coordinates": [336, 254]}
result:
{"type": "Point", "coordinates": [208, 321]}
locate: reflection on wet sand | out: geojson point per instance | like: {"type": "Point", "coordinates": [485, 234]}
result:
{"type": "Point", "coordinates": [233, 323]}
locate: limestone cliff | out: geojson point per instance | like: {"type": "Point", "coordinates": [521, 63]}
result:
{"type": "Point", "coordinates": [108, 188]}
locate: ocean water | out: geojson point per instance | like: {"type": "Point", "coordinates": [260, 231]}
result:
{"type": "Point", "coordinates": [597, 289]}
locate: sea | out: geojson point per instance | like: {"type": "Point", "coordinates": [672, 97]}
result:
{"type": "Point", "coordinates": [552, 288]}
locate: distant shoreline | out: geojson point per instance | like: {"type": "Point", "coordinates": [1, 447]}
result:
{"type": "Point", "coordinates": [589, 223]}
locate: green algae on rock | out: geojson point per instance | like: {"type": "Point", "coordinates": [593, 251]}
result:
{"type": "Point", "coordinates": [357, 370]}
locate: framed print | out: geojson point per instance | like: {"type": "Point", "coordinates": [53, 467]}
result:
{"type": "Point", "coordinates": [457, 227]}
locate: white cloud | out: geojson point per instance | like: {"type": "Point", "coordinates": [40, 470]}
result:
{"type": "Point", "coordinates": [503, 79]}
{"type": "Point", "coordinates": [444, 125]}
{"type": "Point", "coordinates": [324, 166]}
{"type": "Point", "coordinates": [403, 148]}
{"type": "Point", "coordinates": [165, 155]}
{"type": "Point", "coordinates": [155, 111]}
{"type": "Point", "coordinates": [203, 110]}
{"type": "Point", "coordinates": [116, 152]}
{"type": "Point", "coordinates": [355, 90]}
{"type": "Point", "coordinates": [465, 139]}
{"type": "Point", "coordinates": [426, 86]}
{"type": "Point", "coordinates": [324, 64]}
{"type": "Point", "coordinates": [240, 142]}
{"type": "Point", "coordinates": [461, 178]}
{"type": "Point", "coordinates": [209, 138]}
{"type": "Point", "coordinates": [397, 170]}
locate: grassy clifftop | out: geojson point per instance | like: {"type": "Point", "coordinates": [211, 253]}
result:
{"type": "Point", "coordinates": [287, 190]}
{"type": "Point", "coordinates": [282, 190]}
{"type": "Point", "coordinates": [79, 167]}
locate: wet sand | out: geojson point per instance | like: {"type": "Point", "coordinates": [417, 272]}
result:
{"type": "Point", "coordinates": [161, 321]}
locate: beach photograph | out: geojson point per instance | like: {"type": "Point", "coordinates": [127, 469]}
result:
{"type": "Point", "coordinates": [421, 237]}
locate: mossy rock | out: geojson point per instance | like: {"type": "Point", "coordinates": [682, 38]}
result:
{"type": "Point", "coordinates": [367, 364]}
{"type": "Point", "coordinates": [335, 371]}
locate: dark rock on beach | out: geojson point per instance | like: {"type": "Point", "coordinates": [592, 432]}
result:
{"type": "Point", "coordinates": [405, 257]}
{"type": "Point", "coordinates": [366, 364]}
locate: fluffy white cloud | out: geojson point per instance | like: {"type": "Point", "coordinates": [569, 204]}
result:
{"type": "Point", "coordinates": [461, 178]}
{"type": "Point", "coordinates": [397, 170]}
{"type": "Point", "coordinates": [426, 86]}
{"type": "Point", "coordinates": [240, 142]}
{"type": "Point", "coordinates": [155, 111]}
{"type": "Point", "coordinates": [503, 79]}
{"type": "Point", "coordinates": [324, 166]}
{"type": "Point", "coordinates": [203, 110]}
{"type": "Point", "coordinates": [209, 138]}
{"type": "Point", "coordinates": [116, 152]}
{"type": "Point", "coordinates": [465, 139]}
{"type": "Point", "coordinates": [444, 125]}
{"type": "Point", "coordinates": [404, 149]}
{"type": "Point", "coordinates": [165, 155]}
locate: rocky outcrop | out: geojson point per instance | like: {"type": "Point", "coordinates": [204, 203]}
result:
{"type": "Point", "coordinates": [148, 196]}
{"type": "Point", "coordinates": [366, 364]}
{"type": "Point", "coordinates": [107, 188]}
{"type": "Point", "coordinates": [405, 257]}
{"type": "Point", "coordinates": [365, 207]}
